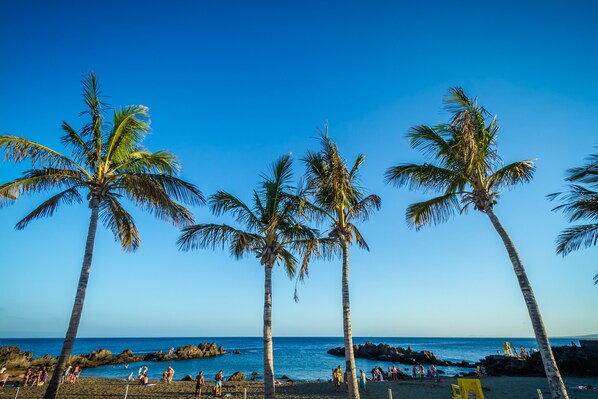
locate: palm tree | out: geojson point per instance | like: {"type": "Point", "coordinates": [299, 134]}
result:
{"type": "Point", "coordinates": [272, 231]}
{"type": "Point", "coordinates": [108, 164]}
{"type": "Point", "coordinates": [467, 170]}
{"type": "Point", "coordinates": [580, 202]}
{"type": "Point", "coordinates": [342, 201]}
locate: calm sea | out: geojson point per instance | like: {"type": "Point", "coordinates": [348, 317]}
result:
{"type": "Point", "coordinates": [301, 358]}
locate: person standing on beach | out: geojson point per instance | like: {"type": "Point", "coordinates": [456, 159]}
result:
{"type": "Point", "coordinates": [413, 372]}
{"type": "Point", "coordinates": [335, 380]}
{"type": "Point", "coordinates": [422, 372]}
{"type": "Point", "coordinates": [362, 381]}
{"type": "Point", "coordinates": [218, 388]}
{"type": "Point", "coordinates": [339, 375]}
{"type": "Point", "coordinates": [199, 383]}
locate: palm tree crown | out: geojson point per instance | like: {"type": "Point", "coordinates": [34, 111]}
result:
{"type": "Point", "coordinates": [273, 223]}
{"type": "Point", "coordinates": [467, 168]}
{"type": "Point", "coordinates": [108, 163]}
{"type": "Point", "coordinates": [579, 202]}
{"type": "Point", "coordinates": [336, 192]}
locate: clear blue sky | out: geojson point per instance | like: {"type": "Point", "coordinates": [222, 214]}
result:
{"type": "Point", "coordinates": [231, 86]}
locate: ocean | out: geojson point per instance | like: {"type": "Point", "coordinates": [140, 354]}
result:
{"type": "Point", "coordinates": [299, 358]}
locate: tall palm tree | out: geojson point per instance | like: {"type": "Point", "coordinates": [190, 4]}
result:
{"type": "Point", "coordinates": [108, 164]}
{"type": "Point", "coordinates": [337, 194]}
{"type": "Point", "coordinates": [467, 170]}
{"type": "Point", "coordinates": [580, 202]}
{"type": "Point", "coordinates": [272, 230]}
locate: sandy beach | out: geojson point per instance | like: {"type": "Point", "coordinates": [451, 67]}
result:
{"type": "Point", "coordinates": [494, 388]}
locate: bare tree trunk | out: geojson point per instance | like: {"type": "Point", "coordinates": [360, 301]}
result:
{"type": "Point", "coordinates": [71, 334]}
{"type": "Point", "coordinates": [269, 392]}
{"type": "Point", "coordinates": [557, 387]}
{"type": "Point", "coordinates": [348, 335]}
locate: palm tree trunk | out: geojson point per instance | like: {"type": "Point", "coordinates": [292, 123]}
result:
{"type": "Point", "coordinates": [557, 387]}
{"type": "Point", "coordinates": [348, 335]}
{"type": "Point", "coordinates": [71, 334]}
{"type": "Point", "coordinates": [269, 392]}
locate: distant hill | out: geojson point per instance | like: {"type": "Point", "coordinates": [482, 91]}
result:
{"type": "Point", "coordinates": [591, 336]}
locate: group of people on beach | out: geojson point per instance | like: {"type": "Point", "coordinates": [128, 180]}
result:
{"type": "Point", "coordinates": [168, 375]}
{"type": "Point", "coordinates": [35, 377]}
{"type": "Point", "coordinates": [338, 377]}
{"type": "Point", "coordinates": [200, 382]}
{"type": "Point", "coordinates": [419, 372]}
{"type": "Point", "coordinates": [70, 374]}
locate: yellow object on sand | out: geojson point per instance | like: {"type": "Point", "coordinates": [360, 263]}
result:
{"type": "Point", "coordinates": [466, 386]}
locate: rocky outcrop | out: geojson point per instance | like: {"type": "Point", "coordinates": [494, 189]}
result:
{"type": "Point", "coordinates": [238, 376]}
{"type": "Point", "coordinates": [571, 360]}
{"type": "Point", "coordinates": [389, 353]}
{"type": "Point", "coordinates": [12, 357]}
{"type": "Point", "coordinates": [188, 377]}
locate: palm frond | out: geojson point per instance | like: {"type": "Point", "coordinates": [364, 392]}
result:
{"type": "Point", "coordinates": [434, 211]}
{"type": "Point", "coordinates": [578, 203]}
{"type": "Point", "coordinates": [41, 180]}
{"type": "Point", "coordinates": [288, 261]}
{"type": "Point", "coordinates": [47, 208]}
{"type": "Point", "coordinates": [358, 237]}
{"type": "Point", "coordinates": [128, 129]}
{"type": "Point", "coordinates": [574, 238]}
{"type": "Point", "coordinates": [160, 162]}
{"type": "Point", "coordinates": [429, 140]}
{"type": "Point", "coordinates": [18, 149]}
{"type": "Point", "coordinates": [425, 177]}
{"type": "Point", "coordinates": [95, 109]}
{"type": "Point", "coordinates": [157, 194]}
{"type": "Point", "coordinates": [513, 174]}
{"type": "Point", "coordinates": [115, 218]}
{"type": "Point", "coordinates": [212, 236]}
{"type": "Point", "coordinates": [364, 208]}
{"type": "Point", "coordinates": [83, 153]}
{"type": "Point", "coordinates": [223, 202]}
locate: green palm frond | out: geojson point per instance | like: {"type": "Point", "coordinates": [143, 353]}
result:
{"type": "Point", "coordinates": [160, 162]}
{"type": "Point", "coordinates": [512, 174]}
{"type": "Point", "coordinates": [95, 110]}
{"type": "Point", "coordinates": [288, 262]}
{"type": "Point", "coordinates": [129, 128]}
{"type": "Point", "coordinates": [41, 180]}
{"type": "Point", "coordinates": [364, 208]}
{"type": "Point", "coordinates": [573, 238]}
{"type": "Point", "coordinates": [431, 141]}
{"type": "Point", "coordinates": [433, 211]}
{"type": "Point", "coordinates": [587, 174]}
{"type": "Point", "coordinates": [47, 208]}
{"type": "Point", "coordinates": [223, 202]}
{"type": "Point", "coordinates": [212, 236]}
{"type": "Point", "coordinates": [115, 218]}
{"type": "Point", "coordinates": [148, 193]}
{"type": "Point", "coordinates": [425, 177]}
{"type": "Point", "coordinates": [578, 203]}
{"type": "Point", "coordinates": [17, 149]}
{"type": "Point", "coordinates": [358, 237]}
{"type": "Point", "coordinates": [82, 151]}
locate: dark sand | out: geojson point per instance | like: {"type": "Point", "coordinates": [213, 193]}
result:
{"type": "Point", "coordinates": [499, 388]}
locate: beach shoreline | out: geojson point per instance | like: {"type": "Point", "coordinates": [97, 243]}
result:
{"type": "Point", "coordinates": [494, 388]}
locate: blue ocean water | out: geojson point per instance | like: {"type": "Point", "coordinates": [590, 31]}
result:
{"type": "Point", "coordinates": [299, 358]}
